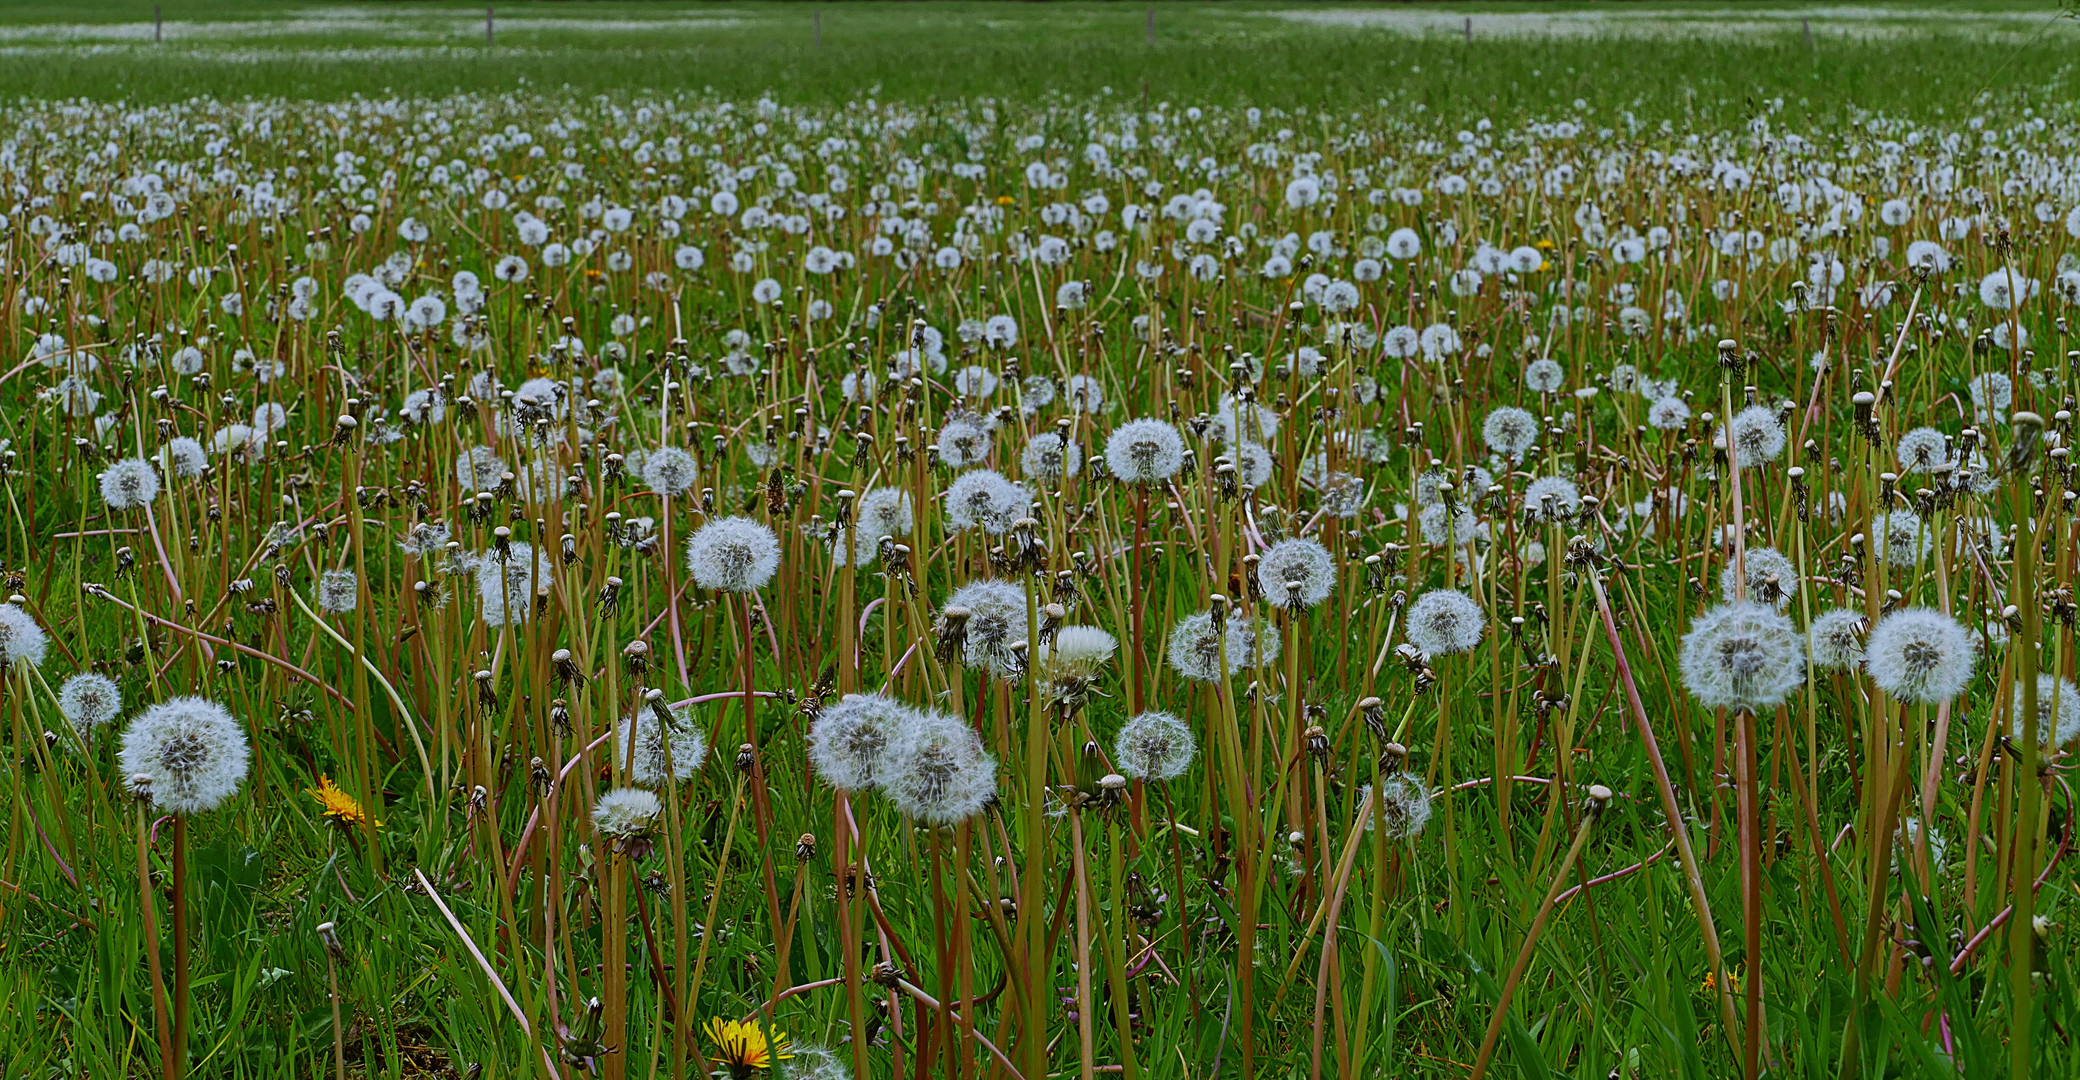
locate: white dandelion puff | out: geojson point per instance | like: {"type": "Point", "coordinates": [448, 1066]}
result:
{"type": "Point", "coordinates": [733, 554]}
{"type": "Point", "coordinates": [1742, 656]}
{"type": "Point", "coordinates": [1154, 746]}
{"type": "Point", "coordinates": [1920, 655]}
{"type": "Point", "coordinates": [186, 754]}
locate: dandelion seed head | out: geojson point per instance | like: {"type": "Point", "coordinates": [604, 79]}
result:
{"type": "Point", "coordinates": [1445, 621]}
{"type": "Point", "coordinates": [338, 591]}
{"type": "Point", "coordinates": [627, 813]}
{"type": "Point", "coordinates": [129, 484]}
{"type": "Point", "coordinates": [1742, 656]}
{"type": "Point", "coordinates": [733, 554]}
{"type": "Point", "coordinates": [22, 641]}
{"type": "Point", "coordinates": [1836, 639]}
{"type": "Point", "coordinates": [1771, 579]}
{"type": "Point", "coordinates": [1154, 746]}
{"type": "Point", "coordinates": [849, 741]}
{"type": "Point", "coordinates": [188, 752]}
{"type": "Point", "coordinates": [937, 771]}
{"type": "Point", "coordinates": [1920, 655]}
{"type": "Point", "coordinates": [1510, 431]}
{"type": "Point", "coordinates": [89, 700]}
{"type": "Point", "coordinates": [1144, 451]}
{"type": "Point", "coordinates": [1296, 570]}
{"type": "Point", "coordinates": [670, 470]}
{"type": "Point", "coordinates": [2058, 711]}
{"type": "Point", "coordinates": [663, 753]}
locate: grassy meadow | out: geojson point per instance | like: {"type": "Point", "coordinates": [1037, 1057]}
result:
{"type": "Point", "coordinates": [1024, 540]}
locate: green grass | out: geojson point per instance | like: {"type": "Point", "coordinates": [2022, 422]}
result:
{"type": "Point", "coordinates": [1204, 53]}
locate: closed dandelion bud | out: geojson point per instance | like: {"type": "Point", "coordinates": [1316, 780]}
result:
{"type": "Point", "coordinates": [328, 936]}
{"type": "Point", "coordinates": [1375, 713]}
{"type": "Point", "coordinates": [951, 633]}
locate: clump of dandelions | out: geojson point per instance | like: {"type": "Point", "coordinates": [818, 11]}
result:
{"type": "Point", "coordinates": [1154, 746]}
{"type": "Point", "coordinates": [849, 741]}
{"type": "Point", "coordinates": [1195, 647]}
{"type": "Point", "coordinates": [664, 751]}
{"type": "Point", "coordinates": [2058, 711]}
{"type": "Point", "coordinates": [1836, 639]}
{"type": "Point", "coordinates": [89, 700]}
{"type": "Point", "coordinates": [733, 554]}
{"type": "Point", "coordinates": [186, 754]}
{"type": "Point", "coordinates": [1920, 655]}
{"type": "Point", "coordinates": [1296, 573]}
{"type": "Point", "coordinates": [1068, 664]}
{"type": "Point", "coordinates": [1144, 451]}
{"type": "Point", "coordinates": [1445, 621]}
{"type": "Point", "coordinates": [1742, 656]}
{"type": "Point", "coordinates": [937, 771]}
{"type": "Point", "coordinates": [1510, 431]}
{"type": "Point", "coordinates": [338, 591]}
{"type": "Point", "coordinates": [21, 640]}
{"type": "Point", "coordinates": [1402, 808]}
{"type": "Point", "coordinates": [670, 470]}
{"type": "Point", "coordinates": [626, 813]}
{"type": "Point", "coordinates": [1771, 577]}
{"type": "Point", "coordinates": [129, 484]}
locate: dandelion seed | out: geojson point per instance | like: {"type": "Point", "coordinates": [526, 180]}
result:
{"type": "Point", "coordinates": [187, 752]}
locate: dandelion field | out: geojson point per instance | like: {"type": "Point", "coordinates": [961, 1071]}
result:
{"type": "Point", "coordinates": [896, 547]}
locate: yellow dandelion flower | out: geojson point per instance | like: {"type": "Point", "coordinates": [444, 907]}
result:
{"type": "Point", "coordinates": [337, 806]}
{"type": "Point", "coordinates": [1005, 200]}
{"type": "Point", "coordinates": [744, 1045]}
